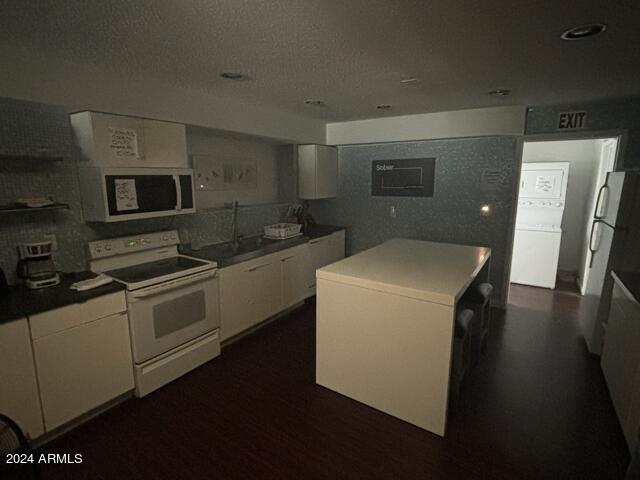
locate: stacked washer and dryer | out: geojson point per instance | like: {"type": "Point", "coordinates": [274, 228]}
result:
{"type": "Point", "coordinates": [541, 202]}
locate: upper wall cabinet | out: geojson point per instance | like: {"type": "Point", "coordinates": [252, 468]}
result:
{"type": "Point", "coordinates": [118, 140]}
{"type": "Point", "coordinates": [33, 130]}
{"type": "Point", "coordinates": [317, 171]}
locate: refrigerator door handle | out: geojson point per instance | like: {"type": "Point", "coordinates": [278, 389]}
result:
{"type": "Point", "coordinates": [602, 189]}
{"type": "Point", "coordinates": [591, 235]}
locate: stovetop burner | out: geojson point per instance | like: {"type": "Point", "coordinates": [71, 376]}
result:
{"type": "Point", "coordinates": [150, 270]}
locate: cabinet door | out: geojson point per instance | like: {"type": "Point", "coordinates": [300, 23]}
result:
{"type": "Point", "coordinates": [19, 398]}
{"type": "Point", "coordinates": [621, 361]}
{"type": "Point", "coordinates": [323, 251]}
{"type": "Point", "coordinates": [295, 275]}
{"type": "Point", "coordinates": [250, 292]}
{"type": "Point", "coordinates": [336, 247]}
{"type": "Point", "coordinates": [82, 368]}
{"type": "Point", "coordinates": [317, 171]}
{"type": "Point", "coordinates": [327, 172]}
{"type": "Point", "coordinates": [165, 144]}
{"type": "Point", "coordinates": [118, 140]}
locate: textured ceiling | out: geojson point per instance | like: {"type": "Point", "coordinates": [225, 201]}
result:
{"type": "Point", "coordinates": [349, 53]}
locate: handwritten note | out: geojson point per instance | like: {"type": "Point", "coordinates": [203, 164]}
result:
{"type": "Point", "coordinates": [123, 142]}
{"type": "Point", "coordinates": [545, 183]}
{"type": "Point", "coordinates": [126, 195]}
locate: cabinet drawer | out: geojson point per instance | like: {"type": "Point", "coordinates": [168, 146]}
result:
{"type": "Point", "coordinates": [53, 321]}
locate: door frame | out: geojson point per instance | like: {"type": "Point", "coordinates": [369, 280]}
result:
{"type": "Point", "coordinates": [620, 134]}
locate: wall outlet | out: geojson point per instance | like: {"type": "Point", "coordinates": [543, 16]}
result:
{"type": "Point", "coordinates": [51, 237]}
{"type": "Point", "coordinates": [392, 211]}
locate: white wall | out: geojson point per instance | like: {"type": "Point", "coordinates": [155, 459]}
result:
{"type": "Point", "coordinates": [201, 141]}
{"type": "Point", "coordinates": [461, 123]}
{"type": "Point", "coordinates": [583, 157]}
{"type": "Point", "coordinates": [44, 78]}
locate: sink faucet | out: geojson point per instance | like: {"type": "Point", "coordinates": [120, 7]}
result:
{"type": "Point", "coordinates": [235, 236]}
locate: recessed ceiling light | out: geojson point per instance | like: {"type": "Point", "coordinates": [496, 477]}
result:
{"type": "Point", "coordinates": [383, 106]}
{"type": "Point", "coordinates": [409, 80]}
{"type": "Point", "coordinates": [233, 76]}
{"type": "Point", "coordinates": [315, 102]}
{"type": "Point", "coordinates": [583, 31]}
{"type": "Point", "coordinates": [500, 92]}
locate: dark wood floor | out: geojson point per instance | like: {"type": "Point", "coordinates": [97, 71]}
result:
{"type": "Point", "coordinates": [537, 407]}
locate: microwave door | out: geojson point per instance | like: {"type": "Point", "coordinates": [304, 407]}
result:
{"type": "Point", "coordinates": [153, 193]}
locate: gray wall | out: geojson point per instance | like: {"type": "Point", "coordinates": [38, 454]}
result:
{"type": "Point", "coordinates": [612, 115]}
{"type": "Point", "coordinates": [451, 215]}
{"type": "Point", "coordinates": [28, 177]}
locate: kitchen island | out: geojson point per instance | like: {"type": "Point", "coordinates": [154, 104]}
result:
{"type": "Point", "coordinates": [385, 324]}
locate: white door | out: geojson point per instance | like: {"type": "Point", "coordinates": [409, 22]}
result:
{"type": "Point", "coordinates": [19, 398]}
{"type": "Point", "coordinates": [168, 315]}
{"type": "Point", "coordinates": [606, 165]}
{"type": "Point", "coordinates": [83, 367]}
{"type": "Point", "coordinates": [535, 258]}
{"type": "Point", "coordinates": [249, 293]}
{"type": "Point", "coordinates": [165, 144]}
{"type": "Point", "coordinates": [295, 276]}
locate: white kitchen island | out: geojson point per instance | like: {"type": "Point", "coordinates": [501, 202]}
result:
{"type": "Point", "coordinates": [385, 324]}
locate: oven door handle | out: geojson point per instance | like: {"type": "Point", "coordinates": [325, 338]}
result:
{"type": "Point", "coordinates": [172, 285]}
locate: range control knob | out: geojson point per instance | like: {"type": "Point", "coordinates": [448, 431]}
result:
{"type": "Point", "coordinates": [165, 238]}
{"type": "Point", "coordinates": [107, 246]}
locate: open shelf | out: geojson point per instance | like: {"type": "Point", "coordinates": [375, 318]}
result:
{"type": "Point", "coordinates": [21, 208]}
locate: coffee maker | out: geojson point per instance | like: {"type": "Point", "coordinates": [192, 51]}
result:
{"type": "Point", "coordinates": [36, 265]}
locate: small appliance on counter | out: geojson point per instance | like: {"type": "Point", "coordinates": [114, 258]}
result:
{"type": "Point", "coordinates": [36, 265]}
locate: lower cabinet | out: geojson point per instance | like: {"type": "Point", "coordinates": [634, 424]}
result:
{"type": "Point", "coordinates": [295, 268]}
{"type": "Point", "coordinates": [249, 293]}
{"type": "Point", "coordinates": [19, 398]}
{"type": "Point", "coordinates": [83, 357]}
{"type": "Point", "coordinates": [323, 251]}
{"type": "Point", "coordinates": [253, 291]}
{"type": "Point", "coordinates": [621, 362]}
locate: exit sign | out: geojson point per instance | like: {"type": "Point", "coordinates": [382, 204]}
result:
{"type": "Point", "coordinates": [572, 120]}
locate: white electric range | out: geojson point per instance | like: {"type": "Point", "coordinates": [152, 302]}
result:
{"type": "Point", "coordinates": [172, 300]}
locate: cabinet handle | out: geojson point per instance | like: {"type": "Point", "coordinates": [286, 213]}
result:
{"type": "Point", "coordinates": [311, 242]}
{"type": "Point", "coordinates": [253, 269]}
{"type": "Point", "coordinates": [287, 258]}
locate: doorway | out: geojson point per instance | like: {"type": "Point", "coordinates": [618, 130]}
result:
{"type": "Point", "coordinates": [558, 197]}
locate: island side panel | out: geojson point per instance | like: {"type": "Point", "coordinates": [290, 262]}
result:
{"type": "Point", "coordinates": [387, 351]}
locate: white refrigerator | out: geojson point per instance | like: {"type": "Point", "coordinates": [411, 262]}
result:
{"type": "Point", "coordinates": [614, 243]}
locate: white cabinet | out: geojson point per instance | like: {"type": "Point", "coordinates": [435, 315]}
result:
{"type": "Point", "coordinates": [19, 398]}
{"type": "Point", "coordinates": [317, 171]}
{"type": "Point", "coordinates": [621, 362]}
{"type": "Point", "coordinates": [83, 357]}
{"type": "Point", "coordinates": [253, 291]}
{"type": "Point", "coordinates": [122, 141]}
{"type": "Point", "coordinates": [249, 293]}
{"type": "Point", "coordinates": [295, 267]}
{"type": "Point", "coordinates": [323, 251]}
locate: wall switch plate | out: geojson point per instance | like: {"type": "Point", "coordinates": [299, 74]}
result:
{"type": "Point", "coordinates": [51, 237]}
{"type": "Point", "coordinates": [392, 211]}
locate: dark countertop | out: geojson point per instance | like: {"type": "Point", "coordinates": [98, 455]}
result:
{"type": "Point", "coordinates": [255, 247]}
{"type": "Point", "coordinates": [21, 301]}
{"type": "Point", "coordinates": [631, 282]}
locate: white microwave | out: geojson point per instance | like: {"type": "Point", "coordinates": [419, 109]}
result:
{"type": "Point", "coordinates": [114, 194]}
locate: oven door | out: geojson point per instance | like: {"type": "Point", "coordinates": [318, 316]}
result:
{"type": "Point", "coordinates": [167, 315]}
